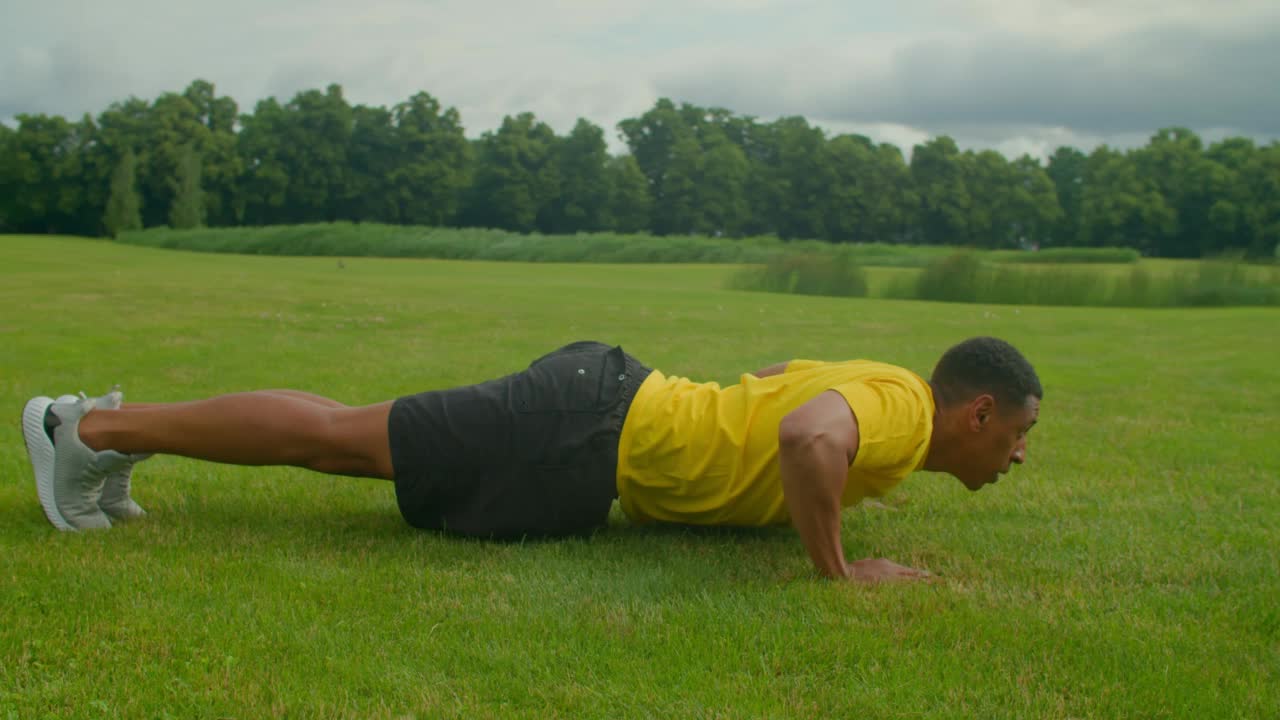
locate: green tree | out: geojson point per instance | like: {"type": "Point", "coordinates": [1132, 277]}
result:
{"type": "Point", "coordinates": [260, 145]}
{"type": "Point", "coordinates": [895, 204]}
{"type": "Point", "coordinates": [664, 145]}
{"type": "Point", "coordinates": [296, 158]}
{"type": "Point", "coordinates": [313, 152]}
{"type": "Point", "coordinates": [1120, 208]}
{"type": "Point", "coordinates": [124, 127]}
{"type": "Point", "coordinates": [173, 126]}
{"type": "Point", "coordinates": [188, 198]}
{"type": "Point", "coordinates": [1245, 214]}
{"type": "Point", "coordinates": [219, 114]}
{"type": "Point", "coordinates": [1067, 171]}
{"type": "Point", "coordinates": [1034, 210]}
{"type": "Point", "coordinates": [698, 173]}
{"type": "Point", "coordinates": [1263, 175]}
{"type": "Point", "coordinates": [675, 202]}
{"type": "Point", "coordinates": [220, 162]}
{"type": "Point", "coordinates": [763, 191]}
{"type": "Point", "coordinates": [691, 169]}
{"type": "Point", "coordinates": [375, 156]}
{"type": "Point", "coordinates": [871, 198]}
{"type": "Point", "coordinates": [45, 178]}
{"type": "Point", "coordinates": [8, 179]}
{"type": "Point", "coordinates": [630, 205]}
{"type": "Point", "coordinates": [123, 211]}
{"type": "Point", "coordinates": [583, 202]}
{"type": "Point", "coordinates": [938, 175]}
{"type": "Point", "coordinates": [434, 167]}
{"type": "Point", "coordinates": [720, 186]}
{"type": "Point", "coordinates": [652, 138]}
{"type": "Point", "coordinates": [985, 175]}
{"type": "Point", "coordinates": [798, 174]}
{"type": "Point", "coordinates": [1013, 203]}
{"type": "Point", "coordinates": [517, 176]}
{"type": "Point", "coordinates": [1173, 163]}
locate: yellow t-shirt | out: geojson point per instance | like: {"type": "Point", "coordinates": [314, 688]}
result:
{"type": "Point", "coordinates": [699, 454]}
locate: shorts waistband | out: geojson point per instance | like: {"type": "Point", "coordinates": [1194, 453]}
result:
{"type": "Point", "coordinates": [636, 373]}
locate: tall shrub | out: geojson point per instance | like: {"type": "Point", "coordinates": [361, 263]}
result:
{"type": "Point", "coordinates": [187, 210]}
{"type": "Point", "coordinates": [950, 279]}
{"type": "Point", "coordinates": [124, 207]}
{"type": "Point", "coordinates": [805, 274]}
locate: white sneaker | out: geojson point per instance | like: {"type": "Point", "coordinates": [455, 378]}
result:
{"type": "Point", "coordinates": [69, 475]}
{"type": "Point", "coordinates": [115, 500]}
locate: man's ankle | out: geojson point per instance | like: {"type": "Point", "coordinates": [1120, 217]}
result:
{"type": "Point", "coordinates": [94, 429]}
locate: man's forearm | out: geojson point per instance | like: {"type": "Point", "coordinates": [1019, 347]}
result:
{"type": "Point", "coordinates": [813, 474]}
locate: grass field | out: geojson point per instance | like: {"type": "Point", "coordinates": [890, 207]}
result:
{"type": "Point", "coordinates": [1131, 569]}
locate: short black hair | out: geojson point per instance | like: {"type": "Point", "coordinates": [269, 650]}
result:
{"type": "Point", "coordinates": [985, 365]}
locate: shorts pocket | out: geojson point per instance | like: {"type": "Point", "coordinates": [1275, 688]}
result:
{"type": "Point", "coordinates": [589, 379]}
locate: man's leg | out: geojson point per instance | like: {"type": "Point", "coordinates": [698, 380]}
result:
{"type": "Point", "coordinates": [316, 399]}
{"type": "Point", "coordinates": [270, 427]}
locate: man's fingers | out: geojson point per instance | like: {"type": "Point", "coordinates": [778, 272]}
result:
{"type": "Point", "coordinates": [884, 570]}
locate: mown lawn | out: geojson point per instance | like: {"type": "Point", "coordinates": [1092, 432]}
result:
{"type": "Point", "coordinates": [1129, 570]}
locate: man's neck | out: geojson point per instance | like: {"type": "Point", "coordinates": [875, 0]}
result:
{"type": "Point", "coordinates": [938, 459]}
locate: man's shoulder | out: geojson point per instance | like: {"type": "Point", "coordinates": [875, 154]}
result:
{"type": "Point", "coordinates": [860, 367]}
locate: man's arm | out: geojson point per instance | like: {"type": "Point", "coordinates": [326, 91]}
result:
{"type": "Point", "coordinates": [817, 442]}
{"type": "Point", "coordinates": [775, 369]}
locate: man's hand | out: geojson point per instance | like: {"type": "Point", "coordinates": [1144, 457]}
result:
{"type": "Point", "coordinates": [877, 570]}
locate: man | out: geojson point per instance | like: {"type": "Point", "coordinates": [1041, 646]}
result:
{"type": "Point", "coordinates": [544, 452]}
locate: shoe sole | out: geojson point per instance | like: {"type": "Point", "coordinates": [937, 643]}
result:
{"type": "Point", "coordinates": [40, 451]}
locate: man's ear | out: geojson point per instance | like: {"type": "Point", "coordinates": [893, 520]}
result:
{"type": "Point", "coordinates": [981, 411]}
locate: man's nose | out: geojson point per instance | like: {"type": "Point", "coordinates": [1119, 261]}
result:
{"type": "Point", "coordinates": [1020, 452]}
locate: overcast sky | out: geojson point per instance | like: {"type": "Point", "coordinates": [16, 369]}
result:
{"type": "Point", "coordinates": [1015, 75]}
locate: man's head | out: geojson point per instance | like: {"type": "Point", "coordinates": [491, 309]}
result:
{"type": "Point", "coordinates": [988, 397]}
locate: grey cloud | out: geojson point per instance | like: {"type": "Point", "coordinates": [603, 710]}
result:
{"type": "Point", "coordinates": [1135, 82]}
{"type": "Point", "coordinates": [974, 69]}
{"type": "Point", "coordinates": [56, 81]}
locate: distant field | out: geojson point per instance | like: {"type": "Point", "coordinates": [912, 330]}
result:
{"type": "Point", "coordinates": [1129, 570]}
{"type": "Point", "coordinates": [1095, 277]}
{"type": "Point", "coordinates": [441, 243]}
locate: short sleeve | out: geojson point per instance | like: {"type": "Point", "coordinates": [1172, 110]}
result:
{"type": "Point", "coordinates": [894, 424]}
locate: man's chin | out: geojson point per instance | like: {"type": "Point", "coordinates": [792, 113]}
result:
{"type": "Point", "coordinates": [976, 485]}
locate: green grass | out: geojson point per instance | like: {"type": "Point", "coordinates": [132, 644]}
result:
{"type": "Point", "coordinates": [1129, 570]}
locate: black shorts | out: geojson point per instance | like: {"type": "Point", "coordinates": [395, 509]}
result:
{"type": "Point", "coordinates": [534, 454]}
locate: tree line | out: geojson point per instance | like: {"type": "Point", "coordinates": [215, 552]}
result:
{"type": "Point", "coordinates": [192, 158]}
